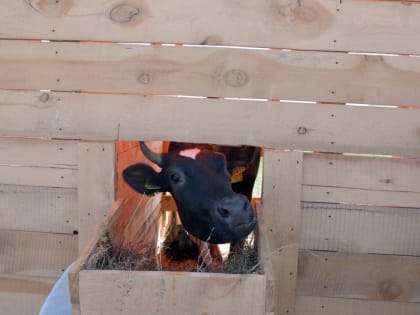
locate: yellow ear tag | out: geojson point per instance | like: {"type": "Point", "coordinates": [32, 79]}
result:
{"type": "Point", "coordinates": [151, 186]}
{"type": "Point", "coordinates": [237, 174]}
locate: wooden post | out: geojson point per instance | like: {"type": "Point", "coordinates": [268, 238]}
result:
{"type": "Point", "coordinates": [282, 188]}
{"type": "Point", "coordinates": [96, 187]}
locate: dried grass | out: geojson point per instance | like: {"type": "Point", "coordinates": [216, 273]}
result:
{"type": "Point", "coordinates": [106, 257]}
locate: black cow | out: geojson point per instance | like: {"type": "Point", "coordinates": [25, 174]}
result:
{"type": "Point", "coordinates": [200, 181]}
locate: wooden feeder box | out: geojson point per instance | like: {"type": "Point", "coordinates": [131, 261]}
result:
{"type": "Point", "coordinates": [167, 292]}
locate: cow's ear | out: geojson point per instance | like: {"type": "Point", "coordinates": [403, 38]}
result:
{"type": "Point", "coordinates": [144, 179]}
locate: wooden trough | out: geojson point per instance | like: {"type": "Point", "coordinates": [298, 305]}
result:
{"type": "Point", "coordinates": [167, 292]}
{"type": "Point", "coordinates": [328, 89]}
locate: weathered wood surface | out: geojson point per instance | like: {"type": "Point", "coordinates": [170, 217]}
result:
{"type": "Point", "coordinates": [361, 229]}
{"type": "Point", "coordinates": [328, 128]}
{"type": "Point", "coordinates": [30, 264]}
{"type": "Point", "coordinates": [23, 295]}
{"type": "Point", "coordinates": [38, 176]}
{"type": "Point", "coordinates": [32, 162]}
{"type": "Point", "coordinates": [210, 71]}
{"type": "Point", "coordinates": [360, 196]}
{"type": "Point", "coordinates": [38, 153]}
{"type": "Point", "coordinates": [373, 173]}
{"type": "Point", "coordinates": [96, 186]}
{"type": "Point", "coordinates": [368, 277]}
{"type": "Point", "coordinates": [282, 217]}
{"type": "Point", "coordinates": [170, 293]}
{"type": "Point", "coordinates": [264, 254]}
{"type": "Point", "coordinates": [333, 306]}
{"type": "Point", "coordinates": [380, 26]}
{"type": "Point", "coordinates": [36, 254]}
{"type": "Point", "coordinates": [38, 209]}
{"type": "Point", "coordinates": [361, 180]}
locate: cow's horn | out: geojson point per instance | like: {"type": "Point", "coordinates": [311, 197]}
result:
{"type": "Point", "coordinates": [155, 158]}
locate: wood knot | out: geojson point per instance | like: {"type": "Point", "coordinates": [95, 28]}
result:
{"type": "Point", "coordinates": [302, 130]}
{"type": "Point", "coordinates": [123, 13]}
{"type": "Point", "coordinates": [389, 290]}
{"type": "Point", "coordinates": [386, 181]}
{"type": "Point", "coordinates": [44, 97]}
{"type": "Point", "coordinates": [144, 78]}
{"type": "Point", "coordinates": [235, 78]}
{"type": "Point", "coordinates": [52, 8]}
{"type": "Point", "coordinates": [306, 19]}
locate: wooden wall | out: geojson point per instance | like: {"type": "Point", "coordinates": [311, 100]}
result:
{"type": "Point", "coordinates": [39, 219]}
{"type": "Point", "coordinates": [45, 213]}
{"type": "Point", "coordinates": [63, 76]}
{"type": "Point", "coordinates": [344, 232]}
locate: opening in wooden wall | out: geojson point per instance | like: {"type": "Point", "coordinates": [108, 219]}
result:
{"type": "Point", "coordinates": [147, 231]}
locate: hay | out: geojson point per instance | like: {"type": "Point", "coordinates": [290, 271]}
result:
{"type": "Point", "coordinates": [106, 257]}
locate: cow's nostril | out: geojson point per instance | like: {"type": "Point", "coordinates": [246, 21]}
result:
{"type": "Point", "coordinates": [245, 205]}
{"type": "Point", "coordinates": [224, 212]}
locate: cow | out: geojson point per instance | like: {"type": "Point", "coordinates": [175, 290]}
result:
{"type": "Point", "coordinates": [211, 186]}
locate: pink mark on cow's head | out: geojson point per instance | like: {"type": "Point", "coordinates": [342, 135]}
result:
{"type": "Point", "coordinates": [190, 153]}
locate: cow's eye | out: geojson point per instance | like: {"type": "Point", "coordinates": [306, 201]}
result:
{"type": "Point", "coordinates": [175, 177]}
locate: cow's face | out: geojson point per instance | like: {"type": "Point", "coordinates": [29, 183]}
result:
{"type": "Point", "coordinates": [200, 184]}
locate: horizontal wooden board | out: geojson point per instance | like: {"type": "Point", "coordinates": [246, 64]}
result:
{"type": "Point", "coordinates": [332, 306]}
{"type": "Point", "coordinates": [307, 24]}
{"type": "Point", "coordinates": [361, 196]}
{"type": "Point", "coordinates": [210, 71]}
{"type": "Point", "coordinates": [370, 277]}
{"type": "Point", "coordinates": [170, 293]}
{"type": "Point", "coordinates": [38, 153]}
{"type": "Point", "coordinates": [330, 128]}
{"type": "Point", "coordinates": [373, 173]}
{"type": "Point", "coordinates": [36, 254]}
{"type": "Point", "coordinates": [22, 295]}
{"type": "Point", "coordinates": [38, 209]}
{"type": "Point", "coordinates": [360, 229]}
{"type": "Point", "coordinates": [38, 176]}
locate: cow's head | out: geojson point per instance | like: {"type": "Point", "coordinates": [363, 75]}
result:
{"type": "Point", "coordinates": [200, 184]}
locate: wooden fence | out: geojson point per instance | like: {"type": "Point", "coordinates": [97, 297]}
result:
{"type": "Point", "coordinates": [75, 73]}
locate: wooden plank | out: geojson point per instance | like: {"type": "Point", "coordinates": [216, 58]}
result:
{"type": "Point", "coordinates": [38, 176]}
{"type": "Point", "coordinates": [210, 71]}
{"type": "Point", "coordinates": [307, 24]}
{"type": "Point", "coordinates": [85, 253]}
{"type": "Point", "coordinates": [296, 126]}
{"type": "Point", "coordinates": [264, 254]}
{"type": "Point", "coordinates": [282, 211]}
{"type": "Point", "coordinates": [38, 153]}
{"type": "Point", "coordinates": [76, 309]}
{"type": "Point", "coordinates": [22, 295]}
{"type": "Point", "coordinates": [373, 173]}
{"type": "Point", "coordinates": [96, 186]}
{"type": "Point", "coordinates": [361, 196]}
{"type": "Point", "coordinates": [332, 306]}
{"type": "Point", "coordinates": [361, 229]}
{"type": "Point", "coordinates": [36, 254]}
{"type": "Point", "coordinates": [170, 293]}
{"type": "Point", "coordinates": [370, 277]}
{"type": "Point", "coordinates": [38, 209]}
